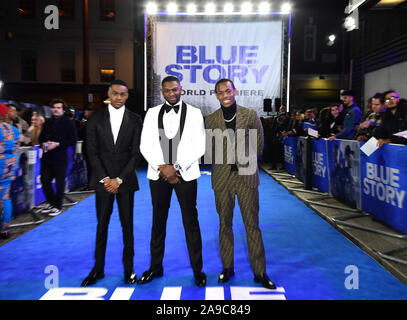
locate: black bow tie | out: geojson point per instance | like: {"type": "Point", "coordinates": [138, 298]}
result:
{"type": "Point", "coordinates": [168, 108]}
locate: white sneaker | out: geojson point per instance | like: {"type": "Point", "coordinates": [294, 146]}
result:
{"type": "Point", "coordinates": [54, 212]}
{"type": "Point", "coordinates": [43, 205]}
{"type": "Point", "coordinates": [46, 208]}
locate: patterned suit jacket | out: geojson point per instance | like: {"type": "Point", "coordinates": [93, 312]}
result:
{"type": "Point", "coordinates": [245, 143]}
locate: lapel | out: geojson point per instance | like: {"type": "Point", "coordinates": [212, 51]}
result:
{"type": "Point", "coordinates": [241, 118]}
{"type": "Point", "coordinates": [220, 121]}
{"type": "Point", "coordinates": [123, 126]}
{"type": "Point", "coordinates": [107, 127]}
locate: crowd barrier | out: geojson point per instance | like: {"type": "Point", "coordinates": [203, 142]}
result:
{"type": "Point", "coordinates": [374, 185]}
{"type": "Point", "coordinates": [26, 189]}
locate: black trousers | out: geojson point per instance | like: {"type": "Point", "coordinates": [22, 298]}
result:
{"type": "Point", "coordinates": [186, 191]}
{"type": "Point", "coordinates": [50, 171]}
{"type": "Point", "coordinates": [104, 208]}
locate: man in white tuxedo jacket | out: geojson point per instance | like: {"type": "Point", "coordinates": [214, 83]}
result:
{"type": "Point", "coordinates": [172, 142]}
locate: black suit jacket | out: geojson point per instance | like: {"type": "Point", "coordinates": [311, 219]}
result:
{"type": "Point", "coordinates": [114, 160]}
{"type": "Point", "coordinates": [58, 129]}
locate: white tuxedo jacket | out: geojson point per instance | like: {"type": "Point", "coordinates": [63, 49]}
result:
{"type": "Point", "coordinates": [190, 148]}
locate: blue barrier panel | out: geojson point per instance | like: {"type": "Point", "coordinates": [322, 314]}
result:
{"type": "Point", "coordinates": [320, 176]}
{"type": "Point", "coordinates": [21, 187]}
{"type": "Point", "coordinates": [300, 159]}
{"type": "Point", "coordinates": [290, 147]}
{"type": "Point", "coordinates": [384, 185]}
{"type": "Point", "coordinates": [344, 171]}
{"type": "Point", "coordinates": [39, 196]}
{"type": "Point", "coordinates": [76, 174]}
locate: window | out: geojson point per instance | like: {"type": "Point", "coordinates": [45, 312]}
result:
{"type": "Point", "coordinates": [67, 60]}
{"type": "Point", "coordinates": [28, 65]}
{"type": "Point", "coordinates": [107, 66]}
{"type": "Point", "coordinates": [26, 8]}
{"type": "Point", "coordinates": [310, 39]}
{"type": "Point", "coordinates": [107, 10]}
{"type": "Point", "coordinates": [66, 9]}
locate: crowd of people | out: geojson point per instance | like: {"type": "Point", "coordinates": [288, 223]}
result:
{"type": "Point", "coordinates": [386, 115]}
{"type": "Point", "coordinates": [25, 127]}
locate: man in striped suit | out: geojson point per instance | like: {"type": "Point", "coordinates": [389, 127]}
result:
{"type": "Point", "coordinates": [239, 176]}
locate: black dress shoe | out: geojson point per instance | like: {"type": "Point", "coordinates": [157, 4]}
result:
{"type": "Point", "coordinates": [4, 235]}
{"type": "Point", "coordinates": [130, 277]}
{"type": "Point", "coordinates": [150, 275]}
{"type": "Point", "coordinates": [200, 278]}
{"type": "Point", "coordinates": [265, 281]}
{"type": "Point", "coordinates": [225, 275]}
{"type": "Point", "coordinates": [92, 278]}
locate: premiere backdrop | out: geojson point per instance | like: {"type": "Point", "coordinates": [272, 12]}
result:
{"type": "Point", "coordinates": [201, 53]}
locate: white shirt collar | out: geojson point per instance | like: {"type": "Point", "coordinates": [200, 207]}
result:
{"type": "Point", "coordinates": [114, 110]}
{"type": "Point", "coordinates": [179, 103]}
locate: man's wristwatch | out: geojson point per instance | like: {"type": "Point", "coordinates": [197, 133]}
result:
{"type": "Point", "coordinates": [119, 181]}
{"type": "Point", "coordinates": [177, 166]}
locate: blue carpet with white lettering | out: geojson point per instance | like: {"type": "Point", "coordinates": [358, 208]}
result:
{"type": "Point", "coordinates": [306, 257]}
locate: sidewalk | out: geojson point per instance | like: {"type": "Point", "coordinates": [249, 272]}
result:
{"type": "Point", "coordinates": [374, 243]}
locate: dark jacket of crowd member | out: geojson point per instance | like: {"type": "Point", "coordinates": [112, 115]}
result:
{"type": "Point", "coordinates": [62, 130]}
{"type": "Point", "coordinates": [393, 123]}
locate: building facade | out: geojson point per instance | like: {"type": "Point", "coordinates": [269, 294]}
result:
{"type": "Point", "coordinates": [38, 63]}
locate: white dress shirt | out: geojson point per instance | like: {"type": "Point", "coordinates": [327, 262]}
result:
{"type": "Point", "coordinates": [116, 118]}
{"type": "Point", "coordinates": [171, 121]}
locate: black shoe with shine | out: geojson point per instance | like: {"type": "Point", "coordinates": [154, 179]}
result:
{"type": "Point", "coordinates": [265, 281]}
{"type": "Point", "coordinates": [200, 278]}
{"type": "Point", "coordinates": [149, 275]}
{"type": "Point", "coordinates": [4, 235]}
{"type": "Point", "coordinates": [92, 278]}
{"type": "Point", "coordinates": [130, 277]}
{"type": "Point", "coordinates": [225, 275]}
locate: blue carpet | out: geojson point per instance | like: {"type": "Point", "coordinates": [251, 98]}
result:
{"type": "Point", "coordinates": [306, 256]}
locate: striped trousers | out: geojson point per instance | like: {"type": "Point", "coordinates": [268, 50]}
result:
{"type": "Point", "coordinates": [248, 200]}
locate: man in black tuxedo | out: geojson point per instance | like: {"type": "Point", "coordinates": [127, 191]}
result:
{"type": "Point", "coordinates": [113, 138]}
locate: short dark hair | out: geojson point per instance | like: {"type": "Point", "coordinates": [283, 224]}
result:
{"type": "Point", "coordinates": [348, 93]}
{"type": "Point", "coordinates": [224, 80]}
{"type": "Point", "coordinates": [387, 92]}
{"type": "Point", "coordinates": [13, 105]}
{"type": "Point", "coordinates": [118, 82]}
{"type": "Point", "coordinates": [57, 100]}
{"type": "Point", "coordinates": [170, 79]}
{"type": "Point", "coordinates": [379, 96]}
